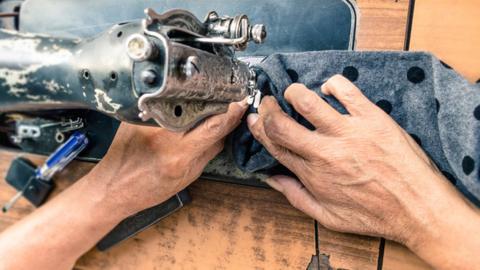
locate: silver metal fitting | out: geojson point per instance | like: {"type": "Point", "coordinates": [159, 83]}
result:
{"type": "Point", "coordinates": [192, 66]}
{"type": "Point", "coordinates": [139, 48]}
{"type": "Point", "coordinates": [258, 33]}
{"type": "Point", "coordinates": [149, 76]}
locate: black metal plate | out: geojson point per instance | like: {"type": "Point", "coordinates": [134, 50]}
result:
{"type": "Point", "coordinates": [293, 26]}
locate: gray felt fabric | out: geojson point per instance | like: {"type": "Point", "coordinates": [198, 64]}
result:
{"type": "Point", "coordinates": [438, 107]}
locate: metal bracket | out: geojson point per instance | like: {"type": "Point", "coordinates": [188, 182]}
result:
{"type": "Point", "coordinates": [200, 75]}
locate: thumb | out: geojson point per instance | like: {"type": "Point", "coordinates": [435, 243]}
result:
{"type": "Point", "coordinates": [297, 195]}
{"type": "Point", "coordinates": [218, 126]}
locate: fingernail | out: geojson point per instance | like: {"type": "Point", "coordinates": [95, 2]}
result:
{"type": "Point", "coordinates": [243, 103]}
{"type": "Point", "coordinates": [273, 183]}
{"type": "Point", "coordinates": [252, 119]}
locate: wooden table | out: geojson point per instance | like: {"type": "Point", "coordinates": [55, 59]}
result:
{"type": "Point", "coordinates": [238, 227]}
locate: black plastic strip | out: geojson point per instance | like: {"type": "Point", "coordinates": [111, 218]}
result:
{"type": "Point", "coordinates": [408, 30]}
{"type": "Point", "coordinates": [317, 240]}
{"type": "Point", "coordinates": [381, 252]}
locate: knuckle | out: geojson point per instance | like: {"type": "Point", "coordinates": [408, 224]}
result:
{"type": "Point", "coordinates": [263, 105]}
{"type": "Point", "coordinates": [280, 154]}
{"type": "Point", "coordinates": [294, 87]}
{"type": "Point", "coordinates": [256, 130]}
{"type": "Point", "coordinates": [349, 94]}
{"type": "Point", "coordinates": [295, 200]}
{"type": "Point", "coordinates": [269, 101]}
{"type": "Point", "coordinates": [307, 104]}
{"type": "Point", "coordinates": [213, 126]}
{"type": "Point", "coordinates": [275, 126]}
{"type": "Point", "coordinates": [334, 79]}
{"type": "Point", "coordinates": [174, 167]}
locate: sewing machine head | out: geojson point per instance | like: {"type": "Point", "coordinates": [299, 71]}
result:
{"type": "Point", "coordinates": [185, 70]}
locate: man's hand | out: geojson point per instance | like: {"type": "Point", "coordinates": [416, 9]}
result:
{"type": "Point", "coordinates": [143, 167]}
{"type": "Point", "coordinates": [147, 165]}
{"type": "Point", "coordinates": [363, 173]}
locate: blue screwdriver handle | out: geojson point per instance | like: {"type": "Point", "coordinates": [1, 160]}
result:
{"type": "Point", "coordinates": [64, 154]}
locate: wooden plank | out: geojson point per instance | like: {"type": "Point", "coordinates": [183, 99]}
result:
{"type": "Point", "coordinates": [348, 251]}
{"type": "Point", "coordinates": [382, 24]}
{"type": "Point", "coordinates": [451, 30]}
{"type": "Point", "coordinates": [397, 256]}
{"type": "Point", "coordinates": [226, 227]}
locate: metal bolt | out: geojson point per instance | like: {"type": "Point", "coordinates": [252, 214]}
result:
{"type": "Point", "coordinates": [258, 33]}
{"type": "Point", "coordinates": [139, 48]}
{"type": "Point", "coordinates": [212, 16]}
{"type": "Point", "coordinates": [149, 76]}
{"type": "Point", "coordinates": [192, 66]}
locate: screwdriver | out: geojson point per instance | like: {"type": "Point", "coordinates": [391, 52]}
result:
{"type": "Point", "coordinates": [56, 162]}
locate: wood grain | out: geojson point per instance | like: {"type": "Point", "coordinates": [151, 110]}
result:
{"type": "Point", "coordinates": [225, 227]}
{"type": "Point", "coordinates": [397, 257]}
{"type": "Point", "coordinates": [450, 29]}
{"type": "Point", "coordinates": [382, 24]}
{"type": "Point", "coordinates": [348, 251]}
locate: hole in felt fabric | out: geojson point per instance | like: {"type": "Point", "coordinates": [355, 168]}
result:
{"type": "Point", "coordinates": [476, 112]}
{"type": "Point", "coordinates": [445, 64]}
{"type": "Point", "coordinates": [350, 73]}
{"type": "Point", "coordinates": [450, 177]}
{"type": "Point", "coordinates": [437, 105]}
{"type": "Point", "coordinates": [416, 138]}
{"type": "Point", "coordinates": [293, 75]}
{"type": "Point", "coordinates": [385, 105]}
{"type": "Point", "coordinates": [468, 164]}
{"type": "Point", "coordinates": [416, 75]}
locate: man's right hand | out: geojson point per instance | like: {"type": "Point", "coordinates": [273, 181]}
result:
{"type": "Point", "coordinates": [362, 173]}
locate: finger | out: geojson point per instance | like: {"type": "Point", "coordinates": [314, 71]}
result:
{"type": "Point", "coordinates": [282, 130]}
{"type": "Point", "coordinates": [348, 94]}
{"type": "Point", "coordinates": [217, 127]}
{"type": "Point", "coordinates": [290, 160]}
{"type": "Point", "coordinates": [297, 195]}
{"type": "Point", "coordinates": [311, 106]}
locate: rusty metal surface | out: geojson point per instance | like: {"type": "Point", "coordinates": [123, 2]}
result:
{"type": "Point", "coordinates": [185, 97]}
{"type": "Point", "coordinates": [39, 72]}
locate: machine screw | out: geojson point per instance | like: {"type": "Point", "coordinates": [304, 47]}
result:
{"type": "Point", "coordinates": [192, 66]}
{"type": "Point", "coordinates": [149, 76]}
{"type": "Point", "coordinates": [139, 48]}
{"type": "Point", "coordinates": [258, 33]}
{"type": "Point", "coordinates": [212, 16]}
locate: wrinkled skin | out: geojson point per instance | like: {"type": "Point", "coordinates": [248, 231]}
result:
{"type": "Point", "coordinates": [152, 164]}
{"type": "Point", "coordinates": [362, 173]}
{"type": "Point", "coordinates": [143, 167]}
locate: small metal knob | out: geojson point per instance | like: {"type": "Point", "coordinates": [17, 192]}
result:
{"type": "Point", "coordinates": [258, 33]}
{"type": "Point", "coordinates": [139, 48]}
{"type": "Point", "coordinates": [192, 66]}
{"type": "Point", "coordinates": [149, 76]}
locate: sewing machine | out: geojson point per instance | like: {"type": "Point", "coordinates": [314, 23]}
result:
{"type": "Point", "coordinates": [102, 64]}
